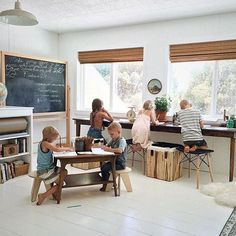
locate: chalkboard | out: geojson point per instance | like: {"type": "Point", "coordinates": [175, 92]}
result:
{"type": "Point", "coordinates": [35, 83]}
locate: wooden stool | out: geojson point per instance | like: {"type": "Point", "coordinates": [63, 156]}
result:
{"type": "Point", "coordinates": [197, 158]}
{"type": "Point", "coordinates": [36, 185]}
{"type": "Point", "coordinates": [124, 175]}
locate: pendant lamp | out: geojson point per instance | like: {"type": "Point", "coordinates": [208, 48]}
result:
{"type": "Point", "coordinates": [18, 16]}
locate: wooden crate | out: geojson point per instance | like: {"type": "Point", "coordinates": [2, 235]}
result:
{"type": "Point", "coordinates": [86, 166]}
{"type": "Point", "coordinates": [162, 163]}
{"type": "Point", "coordinates": [22, 169]}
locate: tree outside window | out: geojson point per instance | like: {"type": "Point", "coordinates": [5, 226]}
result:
{"type": "Point", "coordinates": [209, 85]}
{"type": "Point", "coordinates": [119, 85]}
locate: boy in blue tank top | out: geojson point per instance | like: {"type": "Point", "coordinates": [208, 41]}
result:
{"type": "Point", "coordinates": [46, 168]}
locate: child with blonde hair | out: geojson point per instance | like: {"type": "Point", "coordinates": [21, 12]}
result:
{"type": "Point", "coordinates": [117, 144]}
{"type": "Point", "coordinates": [46, 168]}
{"type": "Point", "coordinates": [141, 127]}
{"type": "Point", "coordinates": [191, 124]}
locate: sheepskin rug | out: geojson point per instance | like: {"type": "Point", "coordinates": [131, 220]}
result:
{"type": "Point", "coordinates": [224, 193]}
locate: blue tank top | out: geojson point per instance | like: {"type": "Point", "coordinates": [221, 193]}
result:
{"type": "Point", "coordinates": [44, 160]}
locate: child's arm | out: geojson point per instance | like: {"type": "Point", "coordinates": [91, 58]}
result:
{"type": "Point", "coordinates": [118, 150]}
{"type": "Point", "coordinates": [55, 148]}
{"type": "Point", "coordinates": [110, 149]}
{"type": "Point", "coordinates": [201, 124]}
{"type": "Point", "coordinates": [106, 115]}
{"type": "Point", "coordinates": [153, 118]}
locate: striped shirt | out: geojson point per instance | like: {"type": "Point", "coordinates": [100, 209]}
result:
{"type": "Point", "coordinates": [190, 121]}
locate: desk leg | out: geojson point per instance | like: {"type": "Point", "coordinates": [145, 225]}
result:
{"type": "Point", "coordinates": [63, 174]}
{"type": "Point", "coordinates": [231, 164]}
{"type": "Point", "coordinates": [77, 125]}
{"type": "Point", "coordinates": [114, 175]}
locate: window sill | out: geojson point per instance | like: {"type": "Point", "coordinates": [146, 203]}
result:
{"type": "Point", "coordinates": [86, 114]}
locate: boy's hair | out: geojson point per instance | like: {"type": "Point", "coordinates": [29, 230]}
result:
{"type": "Point", "coordinates": [96, 104]}
{"type": "Point", "coordinates": [147, 105]}
{"type": "Point", "coordinates": [49, 132]}
{"type": "Point", "coordinates": [184, 103]}
{"type": "Point", "coordinates": [115, 126]}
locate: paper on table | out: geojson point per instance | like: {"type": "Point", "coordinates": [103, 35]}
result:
{"type": "Point", "coordinates": [100, 151]}
{"type": "Point", "coordinates": [63, 154]}
{"type": "Point", "coordinates": [86, 152]}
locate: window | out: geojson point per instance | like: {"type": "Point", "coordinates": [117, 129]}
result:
{"type": "Point", "coordinates": [114, 75]}
{"type": "Point", "coordinates": [119, 85]}
{"type": "Point", "coordinates": [204, 73]}
{"type": "Point", "coordinates": [210, 85]}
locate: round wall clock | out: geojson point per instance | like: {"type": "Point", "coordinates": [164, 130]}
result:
{"type": "Point", "coordinates": [154, 86]}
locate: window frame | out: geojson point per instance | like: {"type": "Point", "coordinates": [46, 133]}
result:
{"type": "Point", "coordinates": [213, 89]}
{"type": "Point", "coordinates": [103, 56]}
{"type": "Point", "coordinates": [204, 51]}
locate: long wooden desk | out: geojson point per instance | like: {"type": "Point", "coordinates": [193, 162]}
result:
{"type": "Point", "coordinates": [170, 128]}
{"type": "Point", "coordinates": [84, 179]}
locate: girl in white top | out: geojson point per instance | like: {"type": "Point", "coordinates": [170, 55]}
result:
{"type": "Point", "coordinates": [141, 127]}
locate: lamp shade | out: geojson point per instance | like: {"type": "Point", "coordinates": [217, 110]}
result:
{"type": "Point", "coordinates": [18, 17]}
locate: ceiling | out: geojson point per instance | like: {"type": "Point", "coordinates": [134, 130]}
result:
{"type": "Point", "coordinates": [79, 15]}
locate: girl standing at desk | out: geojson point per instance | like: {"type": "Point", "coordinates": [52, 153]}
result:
{"type": "Point", "coordinates": [97, 116]}
{"type": "Point", "coordinates": [141, 127]}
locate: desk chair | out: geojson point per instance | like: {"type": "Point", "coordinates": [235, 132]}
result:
{"type": "Point", "coordinates": [141, 153]}
{"type": "Point", "coordinates": [197, 158]}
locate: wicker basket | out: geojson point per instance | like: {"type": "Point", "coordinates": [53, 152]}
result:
{"type": "Point", "coordinates": [22, 169]}
{"type": "Point", "coordinates": [86, 166]}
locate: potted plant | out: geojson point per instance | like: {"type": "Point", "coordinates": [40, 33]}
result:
{"type": "Point", "coordinates": [162, 106]}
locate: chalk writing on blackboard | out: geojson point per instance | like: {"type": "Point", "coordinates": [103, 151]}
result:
{"type": "Point", "coordinates": [35, 83]}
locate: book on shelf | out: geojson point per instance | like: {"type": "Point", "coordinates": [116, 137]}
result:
{"type": "Point", "coordinates": [3, 174]}
{"type": "Point", "coordinates": [0, 149]}
{"type": "Point", "coordinates": [22, 145]}
{"type": "Point", "coordinates": [9, 170]}
{"type": "Point", "coordinates": [6, 171]}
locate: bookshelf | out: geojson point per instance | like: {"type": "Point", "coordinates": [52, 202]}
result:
{"type": "Point", "coordinates": [15, 145]}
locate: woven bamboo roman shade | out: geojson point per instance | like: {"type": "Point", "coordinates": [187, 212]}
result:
{"type": "Point", "coordinates": [205, 51]}
{"type": "Point", "coordinates": [111, 55]}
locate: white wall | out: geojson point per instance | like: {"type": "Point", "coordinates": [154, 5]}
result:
{"type": "Point", "coordinates": [34, 42]}
{"type": "Point", "coordinates": [28, 40]}
{"type": "Point", "coordinates": [155, 38]}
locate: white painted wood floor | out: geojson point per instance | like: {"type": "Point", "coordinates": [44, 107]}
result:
{"type": "Point", "coordinates": [153, 208]}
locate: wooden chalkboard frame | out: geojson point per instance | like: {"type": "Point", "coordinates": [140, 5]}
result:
{"type": "Point", "coordinates": [44, 115]}
{"type": "Point", "coordinates": [3, 79]}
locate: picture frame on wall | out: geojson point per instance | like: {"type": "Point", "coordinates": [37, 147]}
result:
{"type": "Point", "coordinates": [154, 86]}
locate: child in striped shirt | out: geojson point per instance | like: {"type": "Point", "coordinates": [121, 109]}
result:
{"type": "Point", "coordinates": [191, 124]}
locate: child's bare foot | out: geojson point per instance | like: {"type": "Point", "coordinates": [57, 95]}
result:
{"type": "Point", "coordinates": [186, 149]}
{"type": "Point", "coordinates": [40, 199]}
{"type": "Point", "coordinates": [193, 148]}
